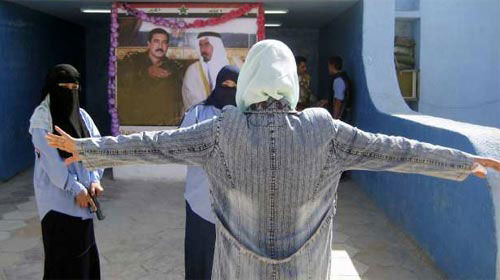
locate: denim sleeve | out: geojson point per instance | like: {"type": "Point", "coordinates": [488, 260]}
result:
{"type": "Point", "coordinates": [359, 150]}
{"type": "Point", "coordinates": [192, 145]}
{"type": "Point", "coordinates": [54, 166]}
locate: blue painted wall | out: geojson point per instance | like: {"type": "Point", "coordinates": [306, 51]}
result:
{"type": "Point", "coordinates": [460, 60]}
{"type": "Point", "coordinates": [97, 53]}
{"type": "Point", "coordinates": [31, 43]}
{"type": "Point", "coordinates": [453, 221]}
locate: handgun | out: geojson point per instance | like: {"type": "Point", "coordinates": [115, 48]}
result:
{"type": "Point", "coordinates": [95, 207]}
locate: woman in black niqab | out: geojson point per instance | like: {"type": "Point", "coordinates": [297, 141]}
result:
{"type": "Point", "coordinates": [68, 236]}
{"type": "Point", "coordinates": [63, 87]}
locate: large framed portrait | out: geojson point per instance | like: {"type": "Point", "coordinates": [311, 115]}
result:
{"type": "Point", "coordinates": [161, 70]}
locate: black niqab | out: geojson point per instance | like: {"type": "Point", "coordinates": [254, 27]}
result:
{"type": "Point", "coordinates": [64, 103]}
{"type": "Point", "coordinates": [221, 95]}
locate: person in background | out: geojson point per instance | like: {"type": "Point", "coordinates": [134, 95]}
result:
{"type": "Point", "coordinates": [63, 192]}
{"type": "Point", "coordinates": [305, 95]}
{"type": "Point", "coordinates": [339, 98]}
{"type": "Point", "coordinates": [199, 240]}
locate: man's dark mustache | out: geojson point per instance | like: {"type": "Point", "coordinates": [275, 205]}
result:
{"type": "Point", "coordinates": [159, 50]}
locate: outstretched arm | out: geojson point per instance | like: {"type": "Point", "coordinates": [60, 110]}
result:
{"type": "Point", "coordinates": [191, 145]}
{"type": "Point", "coordinates": [356, 149]}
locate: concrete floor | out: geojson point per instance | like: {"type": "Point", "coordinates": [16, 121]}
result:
{"type": "Point", "coordinates": [142, 236]}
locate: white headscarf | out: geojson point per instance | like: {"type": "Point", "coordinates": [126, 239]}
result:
{"type": "Point", "coordinates": [218, 59]}
{"type": "Point", "coordinates": [269, 71]}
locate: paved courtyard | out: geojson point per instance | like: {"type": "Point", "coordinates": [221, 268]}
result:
{"type": "Point", "coordinates": [142, 236]}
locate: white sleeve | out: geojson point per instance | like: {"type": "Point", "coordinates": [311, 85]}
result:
{"type": "Point", "coordinates": [339, 89]}
{"type": "Point", "coordinates": [190, 117]}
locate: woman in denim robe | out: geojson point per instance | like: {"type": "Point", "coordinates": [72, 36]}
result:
{"type": "Point", "coordinates": [273, 171]}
